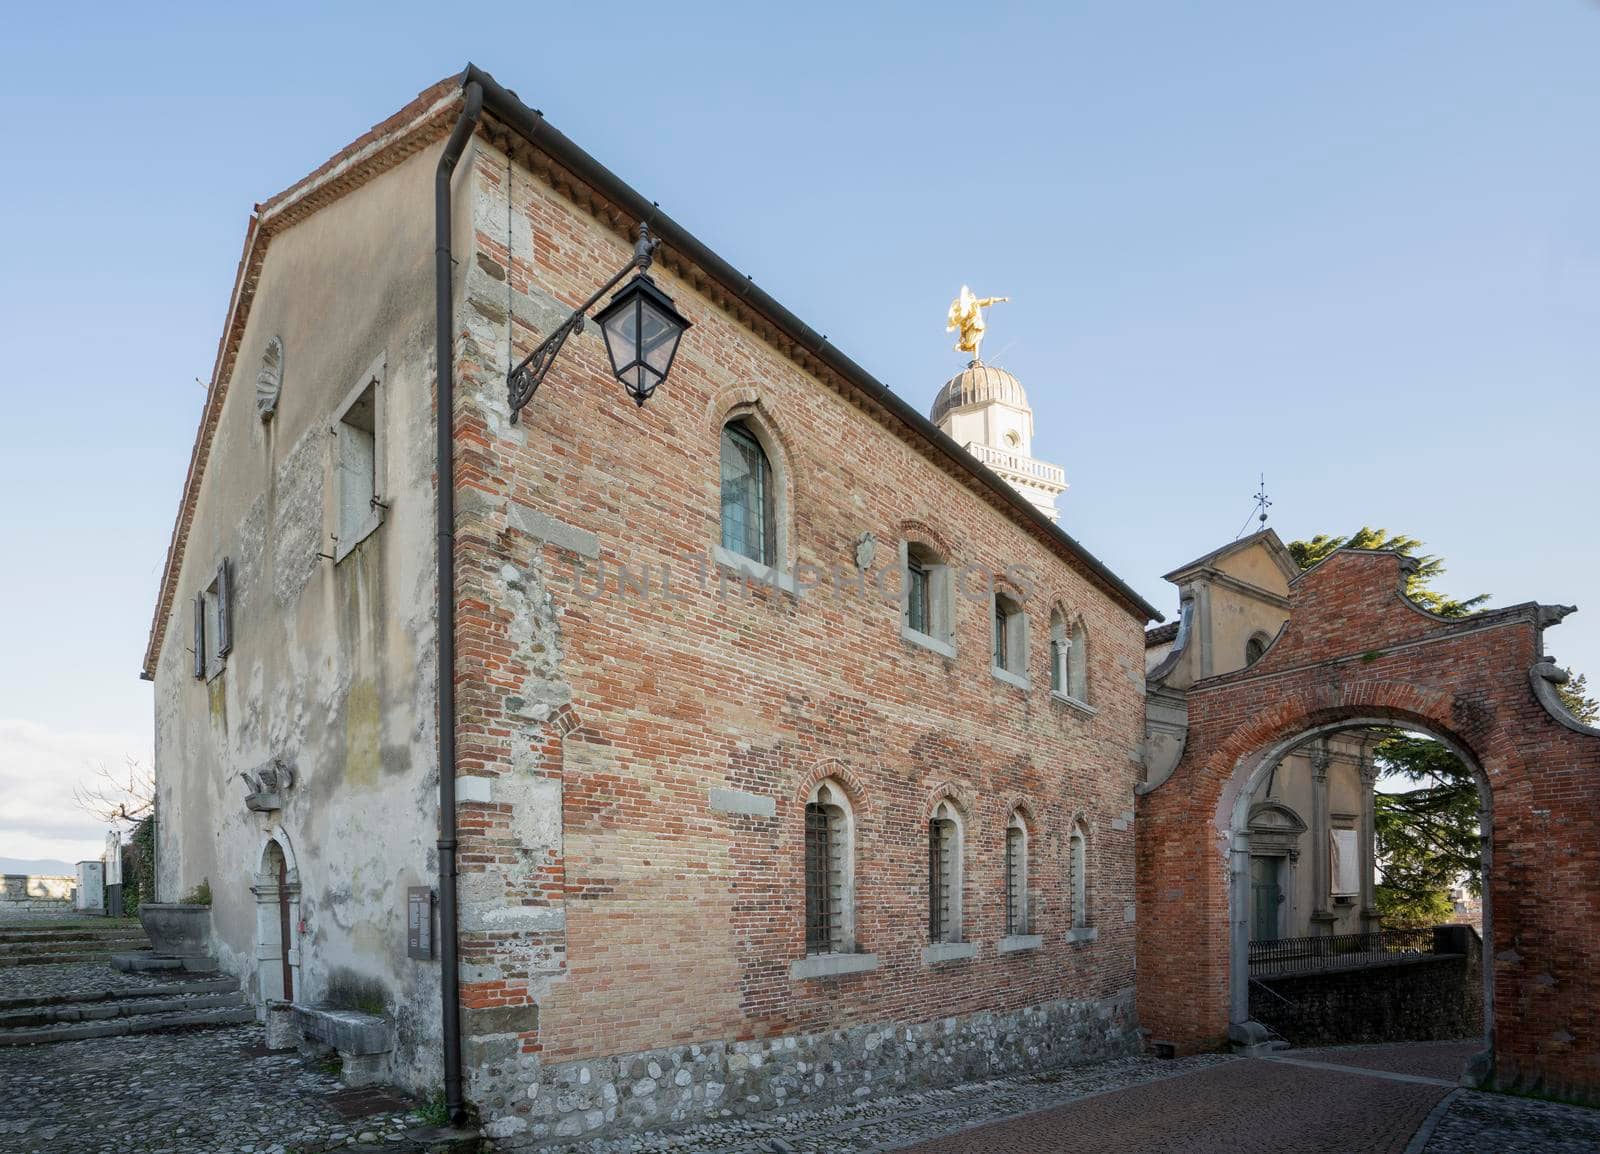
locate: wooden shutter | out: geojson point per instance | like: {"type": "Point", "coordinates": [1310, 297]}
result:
{"type": "Point", "coordinates": [224, 607]}
{"type": "Point", "coordinates": [200, 635]}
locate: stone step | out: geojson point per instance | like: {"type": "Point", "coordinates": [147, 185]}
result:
{"type": "Point", "coordinates": [82, 945]}
{"type": "Point", "coordinates": [34, 937]}
{"type": "Point", "coordinates": [143, 962]}
{"type": "Point", "coordinates": [221, 984]}
{"type": "Point", "coordinates": [129, 1007]}
{"type": "Point", "coordinates": [204, 1019]}
{"type": "Point", "coordinates": [61, 959]}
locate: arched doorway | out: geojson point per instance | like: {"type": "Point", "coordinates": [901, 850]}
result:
{"type": "Point", "coordinates": [277, 892]}
{"type": "Point", "coordinates": [1239, 816]}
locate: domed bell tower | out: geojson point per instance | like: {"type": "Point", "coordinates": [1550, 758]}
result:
{"type": "Point", "coordinates": [984, 410]}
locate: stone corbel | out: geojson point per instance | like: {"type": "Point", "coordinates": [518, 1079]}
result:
{"type": "Point", "coordinates": [267, 785]}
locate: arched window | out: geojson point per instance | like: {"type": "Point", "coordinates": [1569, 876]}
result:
{"type": "Point", "coordinates": [830, 871]}
{"type": "Point", "coordinates": [1078, 663]}
{"type": "Point", "coordinates": [944, 874]}
{"type": "Point", "coordinates": [749, 498]}
{"type": "Point", "coordinates": [1078, 867]}
{"type": "Point", "coordinates": [1058, 653]}
{"type": "Point", "coordinates": [1254, 648]}
{"type": "Point", "coordinates": [1010, 645]}
{"type": "Point", "coordinates": [1016, 875]}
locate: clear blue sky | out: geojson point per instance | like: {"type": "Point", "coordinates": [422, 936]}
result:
{"type": "Point", "coordinates": [1354, 246]}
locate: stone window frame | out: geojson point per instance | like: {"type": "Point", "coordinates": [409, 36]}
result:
{"type": "Point", "coordinates": [1080, 903]}
{"type": "Point", "coordinates": [1069, 659]}
{"type": "Point", "coordinates": [753, 419]}
{"type": "Point", "coordinates": [213, 623]}
{"type": "Point", "coordinates": [950, 943]}
{"type": "Point", "coordinates": [1017, 849]}
{"type": "Point", "coordinates": [346, 538]}
{"type": "Point", "coordinates": [941, 637]}
{"type": "Point", "coordinates": [843, 956]}
{"type": "Point", "coordinates": [1008, 646]}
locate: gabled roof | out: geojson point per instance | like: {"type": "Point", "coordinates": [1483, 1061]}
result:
{"type": "Point", "coordinates": [1276, 549]}
{"type": "Point", "coordinates": [582, 178]}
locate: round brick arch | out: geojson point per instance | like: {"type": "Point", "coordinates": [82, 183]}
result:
{"type": "Point", "coordinates": [1355, 653]}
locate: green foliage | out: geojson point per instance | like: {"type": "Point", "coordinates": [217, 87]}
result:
{"type": "Point", "coordinates": [1574, 695]}
{"type": "Point", "coordinates": [1427, 837]}
{"type": "Point", "coordinates": [199, 896]}
{"type": "Point", "coordinates": [139, 866]}
{"type": "Point", "coordinates": [1418, 585]}
{"type": "Point", "coordinates": [434, 1112]}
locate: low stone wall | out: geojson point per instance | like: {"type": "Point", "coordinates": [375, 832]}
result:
{"type": "Point", "coordinates": [26, 893]}
{"type": "Point", "coordinates": [528, 1104]}
{"type": "Point", "coordinates": [1432, 997]}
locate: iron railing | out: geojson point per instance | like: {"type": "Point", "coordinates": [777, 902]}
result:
{"type": "Point", "coordinates": [1337, 951]}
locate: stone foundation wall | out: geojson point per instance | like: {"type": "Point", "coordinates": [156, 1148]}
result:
{"type": "Point", "coordinates": [24, 893]}
{"type": "Point", "coordinates": [528, 1103]}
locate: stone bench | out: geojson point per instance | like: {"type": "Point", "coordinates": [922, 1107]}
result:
{"type": "Point", "coordinates": [362, 1040]}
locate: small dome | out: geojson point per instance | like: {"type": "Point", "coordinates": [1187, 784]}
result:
{"type": "Point", "coordinates": [975, 385]}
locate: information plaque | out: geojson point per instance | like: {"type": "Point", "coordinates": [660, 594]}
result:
{"type": "Point", "coordinates": [419, 922]}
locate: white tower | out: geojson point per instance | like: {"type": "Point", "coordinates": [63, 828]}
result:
{"type": "Point", "coordinates": [984, 410]}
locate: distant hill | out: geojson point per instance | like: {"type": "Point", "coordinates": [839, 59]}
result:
{"type": "Point", "coordinates": [37, 867]}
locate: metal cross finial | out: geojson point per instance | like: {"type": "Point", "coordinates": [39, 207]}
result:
{"type": "Point", "coordinates": [1263, 502]}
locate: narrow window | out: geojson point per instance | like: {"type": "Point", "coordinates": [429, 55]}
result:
{"type": "Point", "coordinates": [1010, 637]}
{"type": "Point", "coordinates": [213, 622]}
{"type": "Point", "coordinates": [944, 876]}
{"type": "Point", "coordinates": [1079, 865]}
{"type": "Point", "coordinates": [1078, 663]}
{"type": "Point", "coordinates": [828, 873]}
{"type": "Point", "coordinates": [1059, 647]}
{"type": "Point", "coordinates": [358, 464]}
{"type": "Point", "coordinates": [1016, 876]}
{"type": "Point", "coordinates": [358, 455]}
{"type": "Point", "coordinates": [1253, 649]}
{"type": "Point", "coordinates": [917, 600]}
{"type": "Point", "coordinates": [749, 514]}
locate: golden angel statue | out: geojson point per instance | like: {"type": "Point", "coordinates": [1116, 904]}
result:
{"type": "Point", "coordinates": [966, 314]}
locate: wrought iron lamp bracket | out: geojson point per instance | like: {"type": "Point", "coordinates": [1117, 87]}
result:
{"type": "Point", "coordinates": [528, 374]}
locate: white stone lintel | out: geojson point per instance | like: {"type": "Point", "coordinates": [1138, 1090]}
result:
{"type": "Point", "coordinates": [1016, 943]}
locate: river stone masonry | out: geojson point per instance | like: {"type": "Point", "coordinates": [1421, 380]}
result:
{"type": "Point", "coordinates": [528, 1103]}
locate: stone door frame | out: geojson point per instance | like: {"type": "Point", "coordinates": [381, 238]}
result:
{"type": "Point", "coordinates": [271, 948]}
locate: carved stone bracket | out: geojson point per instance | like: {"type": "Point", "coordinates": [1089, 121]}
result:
{"type": "Point", "coordinates": [267, 784]}
{"type": "Point", "coordinates": [1545, 677]}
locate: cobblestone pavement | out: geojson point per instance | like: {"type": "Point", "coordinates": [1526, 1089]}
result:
{"type": "Point", "coordinates": [1475, 1123]}
{"type": "Point", "coordinates": [194, 1093]}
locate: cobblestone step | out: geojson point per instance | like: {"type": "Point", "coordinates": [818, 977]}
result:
{"type": "Point", "coordinates": [128, 1007]}
{"type": "Point", "coordinates": [98, 953]}
{"type": "Point", "coordinates": [220, 984]}
{"type": "Point", "coordinates": [71, 945]}
{"type": "Point", "coordinates": [169, 1021]}
{"type": "Point", "coordinates": [34, 937]}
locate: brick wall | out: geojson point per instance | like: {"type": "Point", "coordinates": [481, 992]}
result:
{"type": "Point", "coordinates": [610, 908]}
{"type": "Point", "coordinates": [1355, 648]}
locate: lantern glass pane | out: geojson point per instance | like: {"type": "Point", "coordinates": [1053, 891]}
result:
{"type": "Point", "coordinates": [658, 337]}
{"type": "Point", "coordinates": [622, 337]}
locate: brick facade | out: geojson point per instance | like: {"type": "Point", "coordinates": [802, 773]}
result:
{"type": "Point", "coordinates": [1355, 648]}
{"type": "Point", "coordinates": [647, 917]}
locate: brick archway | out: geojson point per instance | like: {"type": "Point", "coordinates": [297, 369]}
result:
{"type": "Point", "coordinates": [1356, 650]}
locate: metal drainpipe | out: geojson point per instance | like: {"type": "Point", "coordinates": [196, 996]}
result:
{"type": "Point", "coordinates": [444, 324]}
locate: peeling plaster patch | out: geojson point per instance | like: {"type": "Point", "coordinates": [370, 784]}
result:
{"type": "Point", "coordinates": [520, 918]}
{"type": "Point", "coordinates": [297, 519]}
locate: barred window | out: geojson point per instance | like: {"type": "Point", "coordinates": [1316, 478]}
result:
{"type": "Point", "coordinates": [944, 875]}
{"type": "Point", "coordinates": [1016, 876]}
{"type": "Point", "coordinates": [749, 506]}
{"type": "Point", "coordinates": [1078, 864]}
{"type": "Point", "coordinates": [917, 599]}
{"type": "Point", "coordinates": [829, 879]}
